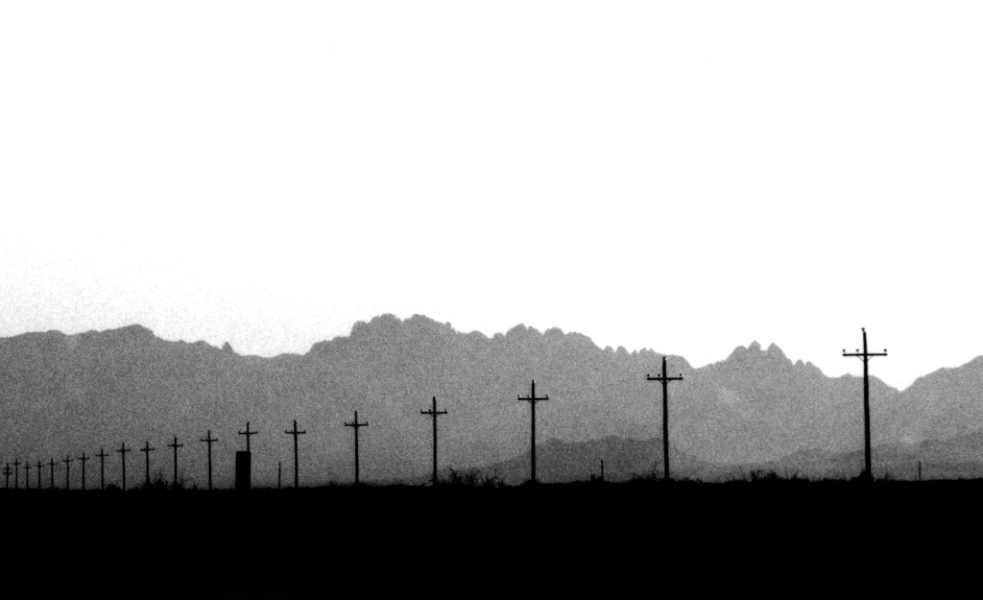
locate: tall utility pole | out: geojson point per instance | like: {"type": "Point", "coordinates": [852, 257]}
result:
{"type": "Point", "coordinates": [39, 465]}
{"type": "Point", "coordinates": [434, 413]}
{"type": "Point", "coordinates": [248, 435]}
{"type": "Point", "coordinates": [6, 476]}
{"type": "Point", "coordinates": [210, 440]}
{"type": "Point", "coordinates": [147, 450]}
{"type": "Point", "coordinates": [356, 425]}
{"type": "Point", "coordinates": [244, 463]}
{"type": "Point", "coordinates": [175, 445]}
{"type": "Point", "coordinates": [27, 476]}
{"type": "Point", "coordinates": [122, 452]}
{"type": "Point", "coordinates": [664, 379]}
{"type": "Point", "coordinates": [102, 468]}
{"type": "Point", "coordinates": [866, 356]}
{"type": "Point", "coordinates": [532, 400]}
{"type": "Point", "coordinates": [16, 464]}
{"type": "Point", "coordinates": [68, 469]}
{"type": "Point", "coordinates": [83, 460]}
{"type": "Point", "coordinates": [51, 464]}
{"type": "Point", "coordinates": [295, 433]}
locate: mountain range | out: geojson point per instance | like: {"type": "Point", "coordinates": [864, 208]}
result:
{"type": "Point", "coordinates": [65, 394]}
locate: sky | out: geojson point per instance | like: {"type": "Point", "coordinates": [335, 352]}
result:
{"type": "Point", "coordinates": [682, 176]}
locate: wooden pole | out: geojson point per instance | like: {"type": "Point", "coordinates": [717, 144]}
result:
{"type": "Point", "coordinates": [175, 446]}
{"type": "Point", "coordinates": [102, 468]}
{"type": "Point", "coordinates": [248, 435]}
{"type": "Point", "coordinates": [210, 440]}
{"type": "Point", "coordinates": [122, 452]}
{"type": "Point", "coordinates": [434, 413]}
{"type": "Point", "coordinates": [83, 460]}
{"type": "Point", "coordinates": [866, 356]}
{"type": "Point", "coordinates": [532, 399]}
{"type": "Point", "coordinates": [146, 451]}
{"type": "Point", "coordinates": [665, 380]}
{"type": "Point", "coordinates": [68, 470]}
{"type": "Point", "coordinates": [295, 432]}
{"type": "Point", "coordinates": [356, 426]}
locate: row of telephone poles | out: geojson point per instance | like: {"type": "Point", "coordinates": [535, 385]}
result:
{"type": "Point", "coordinates": [209, 440]}
{"type": "Point", "coordinates": [243, 459]}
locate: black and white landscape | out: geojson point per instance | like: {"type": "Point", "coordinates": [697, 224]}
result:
{"type": "Point", "coordinates": [295, 227]}
{"type": "Point", "coordinates": [755, 411]}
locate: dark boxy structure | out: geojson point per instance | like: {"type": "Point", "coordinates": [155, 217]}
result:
{"type": "Point", "coordinates": [243, 470]}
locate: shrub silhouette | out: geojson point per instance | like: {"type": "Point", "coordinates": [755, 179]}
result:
{"type": "Point", "coordinates": [471, 478]}
{"type": "Point", "coordinates": [156, 484]}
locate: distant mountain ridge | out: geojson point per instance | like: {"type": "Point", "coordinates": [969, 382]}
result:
{"type": "Point", "coordinates": [67, 393]}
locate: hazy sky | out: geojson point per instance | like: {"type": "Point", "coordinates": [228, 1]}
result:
{"type": "Point", "coordinates": [685, 176]}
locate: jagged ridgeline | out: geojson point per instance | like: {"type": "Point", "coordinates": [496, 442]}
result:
{"type": "Point", "coordinates": [63, 394]}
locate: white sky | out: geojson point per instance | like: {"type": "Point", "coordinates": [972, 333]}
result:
{"type": "Point", "coordinates": [270, 173]}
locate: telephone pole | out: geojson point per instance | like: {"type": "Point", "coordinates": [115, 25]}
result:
{"type": "Point", "coordinates": [356, 425]}
{"type": "Point", "coordinates": [39, 465]}
{"type": "Point", "coordinates": [664, 379]}
{"type": "Point", "coordinates": [244, 462]}
{"type": "Point", "coordinates": [51, 464]}
{"type": "Point", "coordinates": [175, 446]}
{"type": "Point", "coordinates": [102, 468]}
{"type": "Point", "coordinates": [434, 413]}
{"type": "Point", "coordinates": [295, 433]}
{"type": "Point", "coordinates": [68, 469]}
{"type": "Point", "coordinates": [532, 400]}
{"type": "Point", "coordinates": [210, 440]}
{"type": "Point", "coordinates": [248, 435]}
{"type": "Point", "coordinates": [866, 356]}
{"type": "Point", "coordinates": [147, 450]}
{"type": "Point", "coordinates": [83, 460]}
{"type": "Point", "coordinates": [122, 452]}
